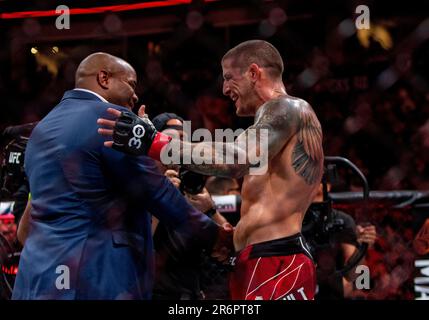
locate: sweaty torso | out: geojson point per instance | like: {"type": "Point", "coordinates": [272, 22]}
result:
{"type": "Point", "coordinates": [274, 204]}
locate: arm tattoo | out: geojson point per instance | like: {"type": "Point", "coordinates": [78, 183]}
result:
{"type": "Point", "coordinates": [284, 118]}
{"type": "Point", "coordinates": [289, 116]}
{"type": "Point", "coordinates": [214, 165]}
{"type": "Point", "coordinates": [307, 156]}
{"type": "Point", "coordinates": [281, 124]}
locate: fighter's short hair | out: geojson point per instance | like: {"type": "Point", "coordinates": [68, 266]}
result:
{"type": "Point", "coordinates": [260, 52]}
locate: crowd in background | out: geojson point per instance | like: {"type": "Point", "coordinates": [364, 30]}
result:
{"type": "Point", "coordinates": [375, 117]}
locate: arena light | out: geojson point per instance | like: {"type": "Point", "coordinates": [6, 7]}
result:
{"type": "Point", "coordinates": [12, 270]}
{"type": "Point", "coordinates": [95, 10]}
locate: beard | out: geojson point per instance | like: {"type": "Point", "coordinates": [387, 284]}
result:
{"type": "Point", "coordinates": [247, 104]}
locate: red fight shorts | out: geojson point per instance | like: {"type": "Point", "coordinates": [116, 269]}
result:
{"type": "Point", "coordinates": [280, 269]}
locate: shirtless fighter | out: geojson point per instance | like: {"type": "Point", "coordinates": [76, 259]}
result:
{"type": "Point", "coordinates": [272, 261]}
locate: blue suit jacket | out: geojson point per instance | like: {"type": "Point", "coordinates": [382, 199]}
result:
{"type": "Point", "coordinates": [90, 232]}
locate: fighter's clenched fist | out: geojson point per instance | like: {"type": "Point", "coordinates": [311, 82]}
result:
{"type": "Point", "coordinates": [133, 135]}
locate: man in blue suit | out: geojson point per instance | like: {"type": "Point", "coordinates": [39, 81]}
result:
{"type": "Point", "coordinates": [90, 228]}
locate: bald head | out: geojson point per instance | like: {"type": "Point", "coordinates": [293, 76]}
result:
{"type": "Point", "coordinates": [96, 62]}
{"type": "Point", "coordinates": [111, 77]}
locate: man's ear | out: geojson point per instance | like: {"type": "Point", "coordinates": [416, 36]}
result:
{"type": "Point", "coordinates": [103, 79]}
{"type": "Point", "coordinates": [254, 72]}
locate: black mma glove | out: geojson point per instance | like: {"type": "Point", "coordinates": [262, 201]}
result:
{"type": "Point", "coordinates": [138, 136]}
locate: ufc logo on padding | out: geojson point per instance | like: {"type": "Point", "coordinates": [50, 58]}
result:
{"type": "Point", "coordinates": [14, 157]}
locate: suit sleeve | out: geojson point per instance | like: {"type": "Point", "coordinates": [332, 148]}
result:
{"type": "Point", "coordinates": [142, 182]}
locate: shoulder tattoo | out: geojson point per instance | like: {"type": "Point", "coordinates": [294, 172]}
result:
{"type": "Point", "coordinates": [307, 156]}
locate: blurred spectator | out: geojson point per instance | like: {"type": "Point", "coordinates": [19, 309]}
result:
{"type": "Point", "coordinates": [213, 113]}
{"type": "Point", "coordinates": [214, 277]}
{"type": "Point", "coordinates": [178, 269]}
{"type": "Point", "coordinates": [220, 186]}
{"type": "Point", "coordinates": [421, 241]}
{"type": "Point", "coordinates": [335, 254]}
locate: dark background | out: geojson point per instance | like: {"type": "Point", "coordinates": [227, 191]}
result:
{"type": "Point", "coordinates": [372, 101]}
{"type": "Point", "coordinates": [368, 88]}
